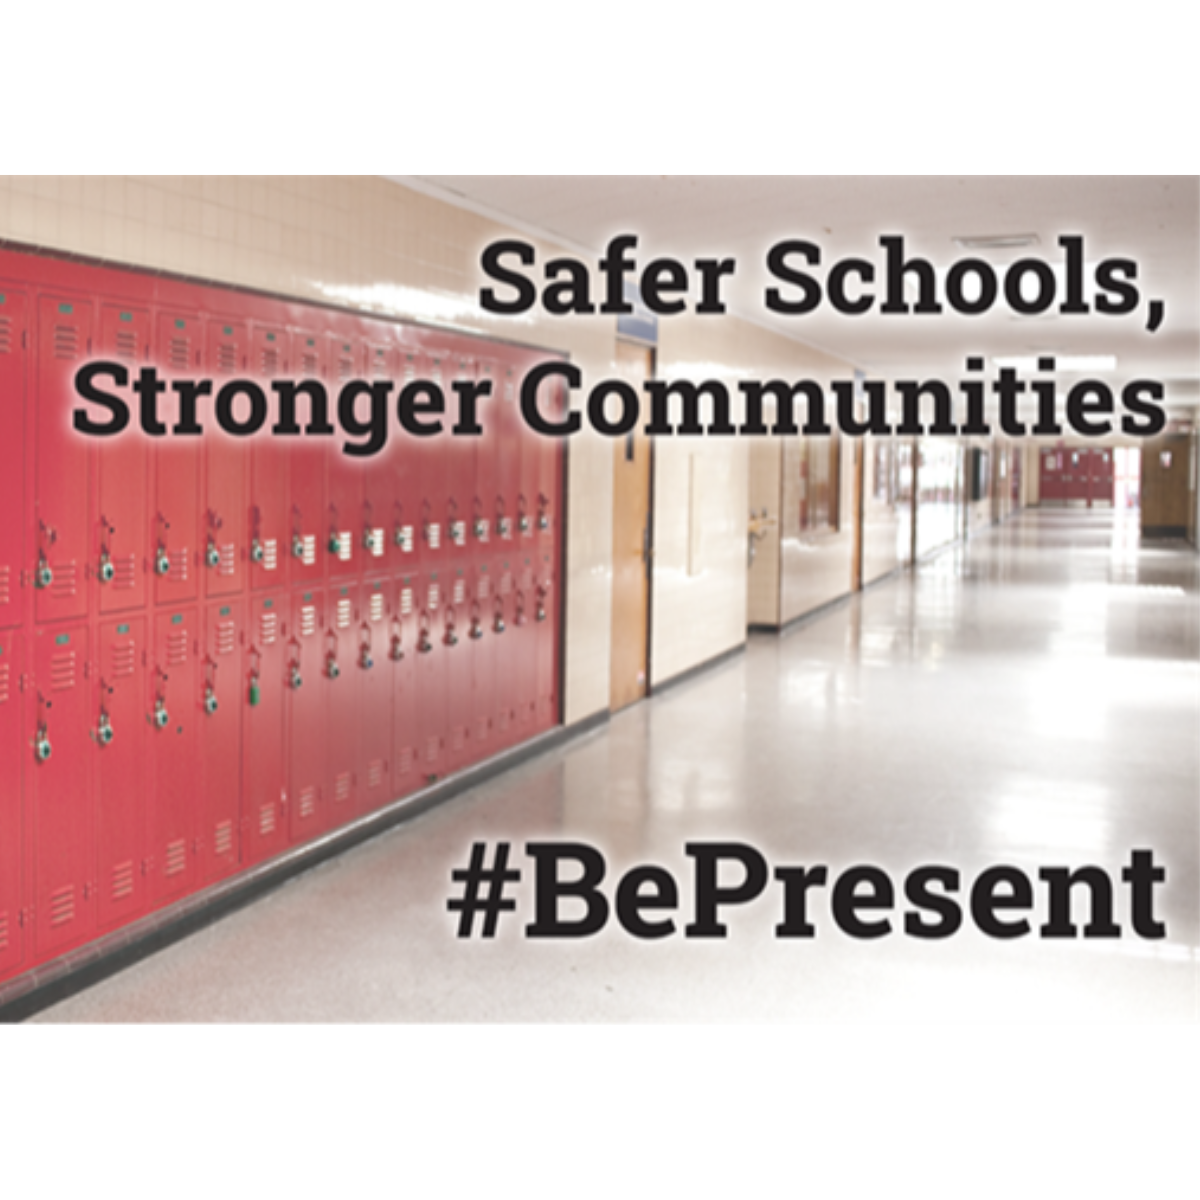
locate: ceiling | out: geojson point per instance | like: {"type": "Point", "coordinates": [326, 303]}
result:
{"type": "Point", "coordinates": [1152, 219]}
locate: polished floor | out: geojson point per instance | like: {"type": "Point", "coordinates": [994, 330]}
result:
{"type": "Point", "coordinates": [1032, 700]}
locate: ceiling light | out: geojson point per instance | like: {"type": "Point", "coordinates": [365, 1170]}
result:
{"type": "Point", "coordinates": [1003, 241]}
{"type": "Point", "coordinates": [1063, 362]}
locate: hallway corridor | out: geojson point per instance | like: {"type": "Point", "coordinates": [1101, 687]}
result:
{"type": "Point", "coordinates": [1031, 699]}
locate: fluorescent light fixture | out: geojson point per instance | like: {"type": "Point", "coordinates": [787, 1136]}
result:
{"type": "Point", "coordinates": [1001, 241]}
{"type": "Point", "coordinates": [1062, 362]}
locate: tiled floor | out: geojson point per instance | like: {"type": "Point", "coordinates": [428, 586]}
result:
{"type": "Point", "coordinates": [1032, 700]}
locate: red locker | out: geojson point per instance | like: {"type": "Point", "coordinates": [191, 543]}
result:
{"type": "Point", "coordinates": [459, 667]}
{"type": "Point", "coordinates": [12, 763]}
{"type": "Point", "coordinates": [485, 630]}
{"type": "Point", "coordinates": [342, 679]}
{"type": "Point", "coordinates": [1103, 484]}
{"type": "Point", "coordinates": [14, 354]}
{"type": "Point", "coordinates": [509, 435]}
{"type": "Point", "coordinates": [220, 739]}
{"type": "Point", "coordinates": [431, 679]}
{"type": "Point", "coordinates": [545, 616]}
{"type": "Point", "coordinates": [271, 526]}
{"type": "Point", "coordinates": [507, 655]}
{"type": "Point", "coordinates": [307, 715]}
{"type": "Point", "coordinates": [374, 662]}
{"type": "Point", "coordinates": [58, 786]}
{"type": "Point", "coordinates": [526, 627]}
{"type": "Point", "coordinates": [432, 478]}
{"type": "Point", "coordinates": [344, 523]}
{"type": "Point", "coordinates": [119, 732]}
{"type": "Point", "coordinates": [173, 710]}
{"type": "Point", "coordinates": [265, 690]}
{"type": "Point", "coordinates": [175, 524]}
{"type": "Point", "coordinates": [383, 508]}
{"type": "Point", "coordinates": [408, 499]}
{"type": "Point", "coordinates": [460, 456]}
{"type": "Point", "coordinates": [224, 552]}
{"type": "Point", "coordinates": [405, 636]}
{"type": "Point", "coordinates": [62, 476]}
{"type": "Point", "coordinates": [119, 553]}
{"type": "Point", "coordinates": [307, 537]}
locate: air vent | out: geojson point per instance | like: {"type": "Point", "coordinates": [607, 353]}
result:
{"type": "Point", "coordinates": [999, 241]}
{"type": "Point", "coordinates": [66, 342]}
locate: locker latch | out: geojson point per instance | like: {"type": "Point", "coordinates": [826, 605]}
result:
{"type": "Point", "coordinates": [297, 546]}
{"type": "Point", "coordinates": [397, 649]}
{"type": "Point", "coordinates": [541, 604]}
{"type": "Point", "coordinates": [425, 645]}
{"type": "Point", "coordinates": [543, 513]}
{"type": "Point", "coordinates": [41, 745]}
{"type": "Point", "coordinates": [104, 730]}
{"type": "Point", "coordinates": [257, 553]}
{"type": "Point", "coordinates": [210, 702]}
{"type": "Point", "coordinates": [331, 667]}
{"type": "Point", "coordinates": [212, 556]}
{"type": "Point", "coordinates": [523, 523]}
{"type": "Point", "coordinates": [365, 660]}
{"type": "Point", "coordinates": [458, 533]}
{"type": "Point", "coordinates": [162, 561]}
{"type": "Point", "coordinates": [210, 688]}
{"type": "Point", "coordinates": [255, 697]}
{"type": "Point", "coordinates": [476, 630]}
{"type": "Point", "coordinates": [498, 626]}
{"type": "Point", "coordinates": [295, 682]}
{"type": "Point", "coordinates": [335, 544]}
{"type": "Point", "coordinates": [44, 576]}
{"type": "Point", "coordinates": [106, 571]}
{"type": "Point", "coordinates": [161, 717]}
{"type": "Point", "coordinates": [480, 530]}
{"type": "Point", "coordinates": [451, 638]}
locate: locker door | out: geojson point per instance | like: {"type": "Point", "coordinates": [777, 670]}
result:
{"type": "Point", "coordinates": [507, 658]}
{"type": "Point", "coordinates": [506, 448]}
{"type": "Point", "coordinates": [526, 626]}
{"type": "Point", "coordinates": [58, 756]}
{"type": "Point", "coordinates": [375, 700]}
{"type": "Point", "coordinates": [119, 732]}
{"type": "Point", "coordinates": [460, 667]}
{"type": "Point", "coordinates": [173, 709]}
{"type": "Point", "coordinates": [1103, 479]}
{"type": "Point", "coordinates": [407, 501]}
{"type": "Point", "coordinates": [120, 555]}
{"type": "Point", "coordinates": [270, 535]}
{"type": "Point", "coordinates": [264, 692]}
{"type": "Point", "coordinates": [307, 708]}
{"type": "Point", "coordinates": [307, 537]}
{"type": "Point", "coordinates": [546, 624]}
{"type": "Point", "coordinates": [175, 527]}
{"type": "Point", "coordinates": [220, 734]}
{"type": "Point", "coordinates": [344, 523]}
{"type": "Point", "coordinates": [431, 679]}
{"type": "Point", "coordinates": [61, 475]}
{"type": "Point", "coordinates": [14, 342]}
{"type": "Point", "coordinates": [12, 763]}
{"type": "Point", "coordinates": [224, 550]}
{"type": "Point", "coordinates": [343, 682]}
{"type": "Point", "coordinates": [460, 455]}
{"type": "Point", "coordinates": [432, 473]}
{"type": "Point", "coordinates": [381, 477]}
{"type": "Point", "coordinates": [406, 776]}
{"type": "Point", "coordinates": [485, 632]}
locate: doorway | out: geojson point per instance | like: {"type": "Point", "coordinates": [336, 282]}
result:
{"type": "Point", "coordinates": [632, 546]}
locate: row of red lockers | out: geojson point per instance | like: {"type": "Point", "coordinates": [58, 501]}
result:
{"type": "Point", "coordinates": [325, 635]}
{"type": "Point", "coordinates": [1083, 475]}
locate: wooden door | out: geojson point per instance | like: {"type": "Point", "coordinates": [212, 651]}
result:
{"type": "Point", "coordinates": [631, 547]}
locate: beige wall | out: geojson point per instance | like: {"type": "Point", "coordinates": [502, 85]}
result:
{"type": "Point", "coordinates": [362, 242]}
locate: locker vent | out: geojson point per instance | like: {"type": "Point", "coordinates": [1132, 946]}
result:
{"type": "Point", "coordinates": [3, 683]}
{"type": "Point", "coordinates": [345, 614]}
{"type": "Point", "coordinates": [62, 671]}
{"type": "Point", "coordinates": [481, 729]}
{"type": "Point", "coordinates": [3, 931]}
{"type": "Point", "coordinates": [434, 601]}
{"type": "Point", "coordinates": [5, 335]}
{"type": "Point", "coordinates": [177, 644]}
{"type": "Point", "coordinates": [310, 551]}
{"type": "Point", "coordinates": [124, 658]}
{"type": "Point", "coordinates": [308, 620]}
{"type": "Point", "coordinates": [66, 581]}
{"type": "Point", "coordinates": [345, 546]}
{"type": "Point", "coordinates": [270, 555]}
{"type": "Point", "coordinates": [375, 543]}
{"type": "Point", "coordinates": [268, 627]}
{"type": "Point", "coordinates": [506, 584]}
{"type": "Point", "coordinates": [223, 839]}
{"type": "Point", "coordinates": [270, 360]}
{"type": "Point", "coordinates": [406, 539]}
{"type": "Point", "coordinates": [227, 358]}
{"type": "Point", "coordinates": [308, 803]}
{"type": "Point", "coordinates": [460, 591]}
{"type": "Point", "coordinates": [176, 858]}
{"type": "Point", "coordinates": [66, 342]}
{"type": "Point", "coordinates": [266, 820]}
{"type": "Point", "coordinates": [404, 761]}
{"type": "Point", "coordinates": [122, 881]}
{"type": "Point", "coordinates": [125, 573]}
{"type": "Point", "coordinates": [436, 373]}
{"type": "Point", "coordinates": [410, 371]}
{"type": "Point", "coordinates": [379, 365]}
{"type": "Point", "coordinates": [377, 607]}
{"type": "Point", "coordinates": [483, 588]}
{"type": "Point", "coordinates": [434, 534]}
{"type": "Point", "coordinates": [510, 390]}
{"type": "Point", "coordinates": [375, 773]}
{"type": "Point", "coordinates": [179, 353]}
{"type": "Point", "coordinates": [226, 637]}
{"type": "Point", "coordinates": [432, 746]}
{"type": "Point", "coordinates": [5, 585]}
{"type": "Point", "coordinates": [228, 564]}
{"type": "Point", "coordinates": [345, 369]}
{"type": "Point", "coordinates": [406, 602]}
{"type": "Point", "coordinates": [309, 365]}
{"type": "Point", "coordinates": [342, 788]}
{"type": "Point", "coordinates": [126, 344]}
{"type": "Point", "coordinates": [179, 566]}
{"type": "Point", "coordinates": [62, 907]}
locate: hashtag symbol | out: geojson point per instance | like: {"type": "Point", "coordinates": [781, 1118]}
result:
{"type": "Point", "coordinates": [476, 877]}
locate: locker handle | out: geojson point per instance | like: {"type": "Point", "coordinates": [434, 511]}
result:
{"type": "Point", "coordinates": [212, 556]}
{"type": "Point", "coordinates": [104, 730]}
{"type": "Point", "coordinates": [397, 650]}
{"type": "Point", "coordinates": [425, 646]}
{"type": "Point", "coordinates": [210, 702]}
{"type": "Point", "coordinates": [107, 572]}
{"type": "Point", "coordinates": [499, 626]}
{"type": "Point", "coordinates": [332, 669]}
{"type": "Point", "coordinates": [295, 681]}
{"type": "Point", "coordinates": [45, 576]}
{"type": "Point", "coordinates": [297, 546]}
{"type": "Point", "coordinates": [480, 530]}
{"type": "Point", "coordinates": [162, 562]}
{"type": "Point", "coordinates": [161, 717]}
{"type": "Point", "coordinates": [476, 630]}
{"type": "Point", "coordinates": [257, 553]}
{"type": "Point", "coordinates": [41, 746]}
